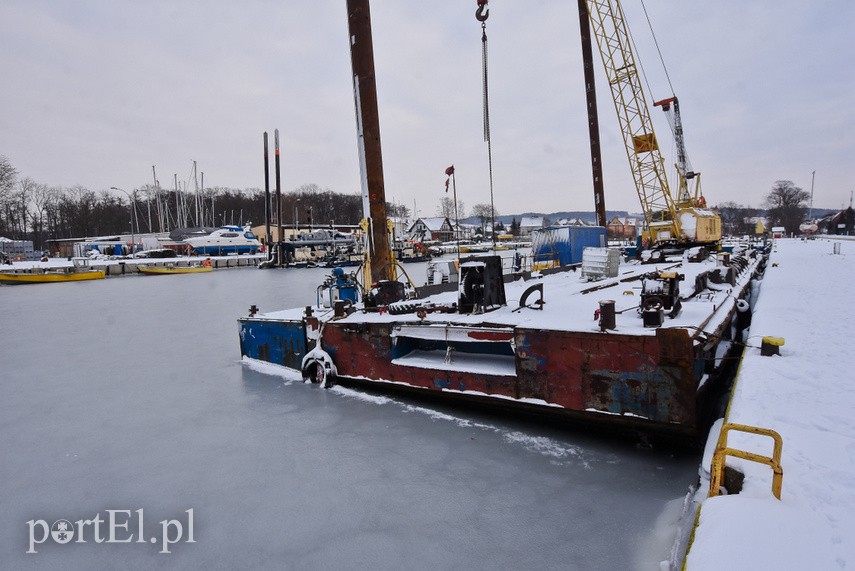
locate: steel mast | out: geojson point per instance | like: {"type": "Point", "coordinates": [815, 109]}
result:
{"type": "Point", "coordinates": [368, 138]}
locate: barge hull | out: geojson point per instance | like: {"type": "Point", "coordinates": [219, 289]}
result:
{"type": "Point", "coordinates": [654, 378]}
{"type": "Point", "coordinates": [647, 382]}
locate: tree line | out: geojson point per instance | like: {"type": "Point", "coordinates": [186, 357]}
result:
{"type": "Point", "coordinates": [785, 205]}
{"type": "Point", "coordinates": [30, 210]}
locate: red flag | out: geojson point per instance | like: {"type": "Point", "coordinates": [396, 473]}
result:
{"type": "Point", "coordinates": [449, 171]}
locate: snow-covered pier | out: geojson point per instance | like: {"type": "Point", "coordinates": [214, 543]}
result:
{"type": "Point", "coordinates": [130, 266]}
{"type": "Point", "coordinates": [806, 395]}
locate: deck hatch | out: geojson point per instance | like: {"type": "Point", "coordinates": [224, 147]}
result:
{"type": "Point", "coordinates": [485, 350]}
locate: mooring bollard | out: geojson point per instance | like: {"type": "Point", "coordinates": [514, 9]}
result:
{"type": "Point", "coordinates": [338, 308]}
{"type": "Point", "coordinates": [607, 315]}
{"type": "Point", "coordinates": [771, 346]}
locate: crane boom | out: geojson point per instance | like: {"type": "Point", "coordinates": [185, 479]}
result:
{"type": "Point", "coordinates": [664, 220]}
{"type": "Point", "coordinates": [671, 107]}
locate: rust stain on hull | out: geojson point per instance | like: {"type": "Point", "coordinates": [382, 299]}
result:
{"type": "Point", "coordinates": [646, 379]}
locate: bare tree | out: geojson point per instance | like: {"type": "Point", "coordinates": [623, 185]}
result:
{"type": "Point", "coordinates": [735, 218]}
{"type": "Point", "coordinates": [446, 208]}
{"type": "Point", "coordinates": [41, 198]}
{"type": "Point", "coordinates": [26, 187]}
{"type": "Point", "coordinates": [8, 178]}
{"type": "Point", "coordinates": [484, 214]}
{"type": "Point", "coordinates": [397, 210]}
{"type": "Point", "coordinates": [787, 204]}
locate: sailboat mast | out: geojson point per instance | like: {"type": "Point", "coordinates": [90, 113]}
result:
{"type": "Point", "coordinates": [202, 196]}
{"type": "Point", "coordinates": [281, 250]}
{"type": "Point", "coordinates": [196, 194]}
{"type": "Point", "coordinates": [179, 205]}
{"type": "Point", "coordinates": [159, 198]}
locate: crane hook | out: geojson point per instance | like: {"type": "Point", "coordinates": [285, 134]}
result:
{"type": "Point", "coordinates": [483, 11]}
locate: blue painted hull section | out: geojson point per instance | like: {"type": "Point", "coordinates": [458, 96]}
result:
{"type": "Point", "coordinates": [279, 342]}
{"type": "Point", "coordinates": [225, 250]}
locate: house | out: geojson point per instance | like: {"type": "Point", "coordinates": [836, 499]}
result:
{"type": "Point", "coordinates": [400, 226]}
{"type": "Point", "coordinates": [530, 223]}
{"type": "Point", "coordinates": [758, 222]}
{"type": "Point", "coordinates": [779, 232]}
{"type": "Point", "coordinates": [574, 222]}
{"type": "Point", "coordinates": [466, 231]}
{"type": "Point", "coordinates": [622, 227]}
{"type": "Point", "coordinates": [841, 223]}
{"type": "Point", "coordinates": [424, 229]}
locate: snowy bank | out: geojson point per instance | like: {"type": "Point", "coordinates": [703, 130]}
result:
{"type": "Point", "coordinates": [806, 395]}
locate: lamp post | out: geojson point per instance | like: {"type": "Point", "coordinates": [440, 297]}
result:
{"type": "Point", "coordinates": [132, 204]}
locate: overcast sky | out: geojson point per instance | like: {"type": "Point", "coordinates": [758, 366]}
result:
{"type": "Point", "coordinates": [96, 92]}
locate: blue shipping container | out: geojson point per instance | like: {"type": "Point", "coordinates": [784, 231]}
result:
{"type": "Point", "coordinates": [566, 243]}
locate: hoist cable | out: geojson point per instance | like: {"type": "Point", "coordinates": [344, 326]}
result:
{"type": "Point", "coordinates": [640, 66]}
{"type": "Point", "coordinates": [485, 86]}
{"type": "Point", "coordinates": [656, 42]}
{"type": "Point", "coordinates": [486, 109]}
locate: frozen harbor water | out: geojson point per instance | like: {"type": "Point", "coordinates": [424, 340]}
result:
{"type": "Point", "coordinates": [129, 394]}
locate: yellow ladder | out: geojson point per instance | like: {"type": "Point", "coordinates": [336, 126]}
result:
{"type": "Point", "coordinates": [722, 451]}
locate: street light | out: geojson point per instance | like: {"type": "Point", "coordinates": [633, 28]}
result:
{"type": "Point", "coordinates": [132, 202]}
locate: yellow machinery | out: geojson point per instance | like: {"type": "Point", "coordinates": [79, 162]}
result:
{"type": "Point", "coordinates": [685, 221]}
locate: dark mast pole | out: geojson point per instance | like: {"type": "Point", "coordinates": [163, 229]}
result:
{"type": "Point", "coordinates": [593, 121]}
{"type": "Point", "coordinates": [267, 197]}
{"type": "Point", "coordinates": [279, 252]}
{"type": "Point", "coordinates": [368, 126]}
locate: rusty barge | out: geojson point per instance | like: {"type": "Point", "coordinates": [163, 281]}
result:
{"type": "Point", "coordinates": [633, 347]}
{"type": "Point", "coordinates": [642, 363]}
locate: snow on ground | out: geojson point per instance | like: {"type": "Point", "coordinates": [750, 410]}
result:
{"type": "Point", "coordinates": [807, 395]}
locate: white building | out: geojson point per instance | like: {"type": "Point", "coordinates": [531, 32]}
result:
{"type": "Point", "coordinates": [438, 228]}
{"type": "Point", "coordinates": [529, 223]}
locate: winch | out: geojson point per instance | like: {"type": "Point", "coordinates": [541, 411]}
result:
{"type": "Point", "coordinates": [660, 292]}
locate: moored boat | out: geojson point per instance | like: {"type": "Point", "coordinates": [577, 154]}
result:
{"type": "Point", "coordinates": [225, 240]}
{"type": "Point", "coordinates": [167, 270]}
{"type": "Point", "coordinates": [80, 271]}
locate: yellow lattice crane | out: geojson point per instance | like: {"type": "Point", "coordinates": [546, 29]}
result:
{"type": "Point", "coordinates": [667, 221]}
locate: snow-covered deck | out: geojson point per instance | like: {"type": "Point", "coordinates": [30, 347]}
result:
{"type": "Point", "coordinates": [807, 395]}
{"type": "Point", "coordinates": [570, 302]}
